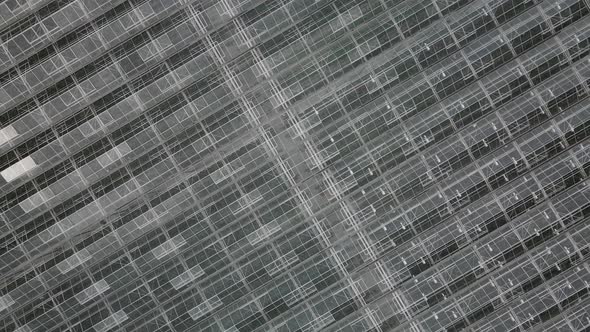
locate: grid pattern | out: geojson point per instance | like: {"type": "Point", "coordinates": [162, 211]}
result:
{"type": "Point", "coordinates": [294, 165]}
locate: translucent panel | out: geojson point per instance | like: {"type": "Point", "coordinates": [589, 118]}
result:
{"type": "Point", "coordinates": [505, 84]}
{"type": "Point", "coordinates": [451, 75]}
{"type": "Point", "coordinates": [472, 24]}
{"type": "Point", "coordinates": [415, 16]}
{"type": "Point", "coordinates": [575, 39]}
{"type": "Point", "coordinates": [73, 261]}
{"type": "Point", "coordinates": [111, 321]}
{"type": "Point", "coordinates": [168, 247]}
{"type": "Point", "coordinates": [5, 302]}
{"type": "Point", "coordinates": [535, 222]}
{"type": "Point", "coordinates": [269, 24]}
{"type": "Point", "coordinates": [564, 13]}
{"type": "Point", "coordinates": [96, 289]}
{"type": "Point", "coordinates": [569, 205]}
{"type": "Point", "coordinates": [540, 145]}
{"type": "Point", "coordinates": [263, 233]}
{"type": "Point", "coordinates": [428, 128]}
{"type": "Point", "coordinates": [522, 114]}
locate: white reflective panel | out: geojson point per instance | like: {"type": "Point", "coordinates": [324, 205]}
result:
{"type": "Point", "coordinates": [113, 154]}
{"type": "Point", "coordinates": [300, 292]}
{"type": "Point", "coordinates": [223, 173]}
{"type": "Point", "coordinates": [24, 328]}
{"type": "Point", "coordinates": [336, 24]}
{"type": "Point", "coordinates": [7, 134]}
{"type": "Point", "coordinates": [37, 199]}
{"type": "Point", "coordinates": [368, 46]}
{"type": "Point", "coordinates": [145, 11]}
{"type": "Point", "coordinates": [186, 277]}
{"type": "Point", "coordinates": [205, 307]}
{"type": "Point", "coordinates": [352, 14]}
{"type": "Point", "coordinates": [111, 321]}
{"type": "Point", "coordinates": [5, 302]}
{"type": "Point", "coordinates": [72, 96]}
{"type": "Point", "coordinates": [168, 246]}
{"type": "Point", "coordinates": [4, 97]}
{"type": "Point", "coordinates": [248, 199]}
{"type": "Point", "coordinates": [108, 157]}
{"type": "Point", "coordinates": [282, 263]}
{"type": "Point", "coordinates": [322, 321]}
{"type": "Point", "coordinates": [145, 219]}
{"type": "Point", "coordinates": [74, 261]}
{"type": "Point", "coordinates": [17, 170]}
{"type": "Point", "coordinates": [123, 149]}
{"type": "Point", "coordinates": [166, 83]}
{"type": "Point", "coordinates": [93, 291]}
{"type": "Point", "coordinates": [148, 51]}
{"type": "Point", "coordinates": [163, 42]}
{"type": "Point", "coordinates": [263, 232]}
{"type": "Point", "coordinates": [51, 233]}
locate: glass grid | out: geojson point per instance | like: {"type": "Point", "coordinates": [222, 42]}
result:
{"type": "Point", "coordinates": [341, 182]}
